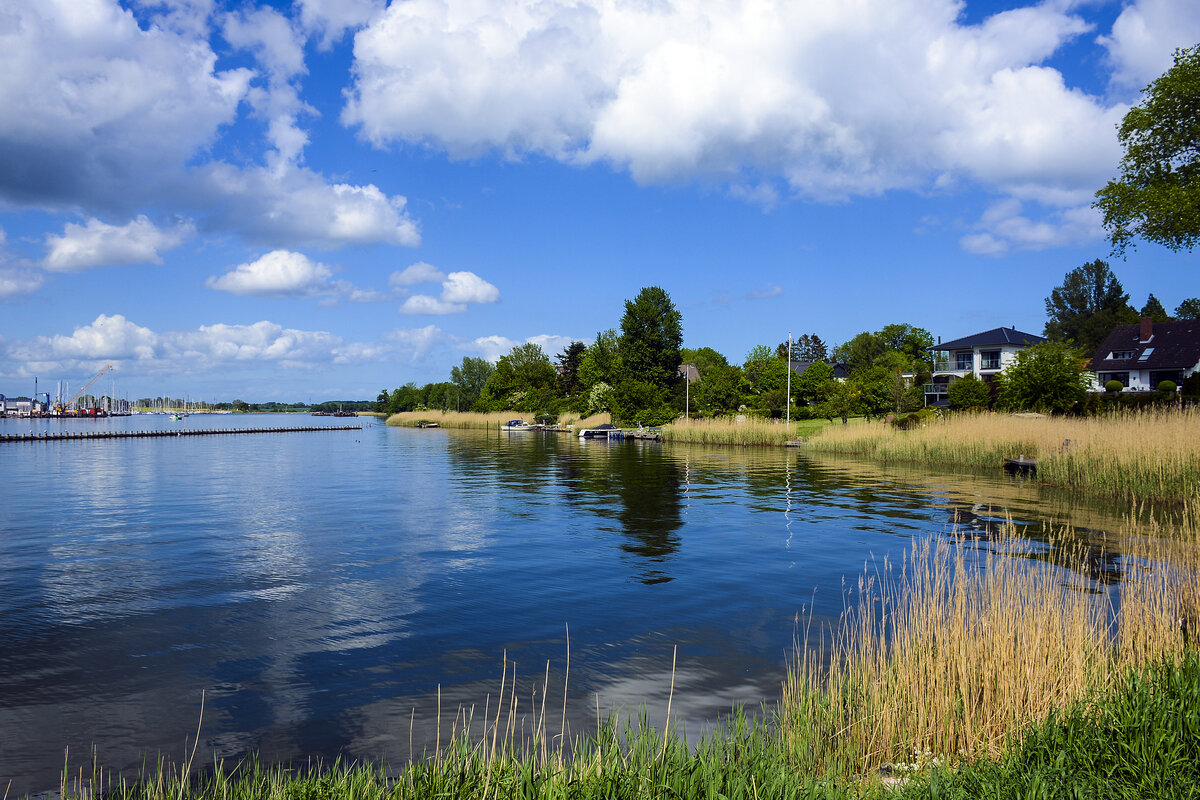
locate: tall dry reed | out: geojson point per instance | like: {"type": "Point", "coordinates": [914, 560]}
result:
{"type": "Point", "coordinates": [471, 419]}
{"type": "Point", "coordinates": [1148, 455]}
{"type": "Point", "coordinates": [956, 650]}
{"type": "Point", "coordinates": [749, 432]}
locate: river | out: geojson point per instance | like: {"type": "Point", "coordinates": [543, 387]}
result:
{"type": "Point", "coordinates": [327, 592]}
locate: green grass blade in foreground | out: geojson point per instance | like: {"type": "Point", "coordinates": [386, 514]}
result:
{"type": "Point", "coordinates": [1141, 741]}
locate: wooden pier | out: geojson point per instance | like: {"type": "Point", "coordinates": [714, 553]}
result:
{"type": "Point", "coordinates": [89, 435]}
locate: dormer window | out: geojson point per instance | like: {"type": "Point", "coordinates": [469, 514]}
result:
{"type": "Point", "coordinates": [1121, 355]}
{"type": "Point", "coordinates": [1145, 356]}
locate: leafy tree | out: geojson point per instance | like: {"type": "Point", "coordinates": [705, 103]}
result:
{"type": "Point", "coordinates": [405, 398]}
{"type": "Point", "coordinates": [651, 338]}
{"type": "Point", "coordinates": [381, 402]}
{"type": "Point", "coordinates": [875, 387]}
{"type": "Point", "coordinates": [814, 385]}
{"type": "Point", "coordinates": [601, 361]}
{"type": "Point", "coordinates": [909, 340]}
{"type": "Point", "coordinates": [1157, 195]}
{"type": "Point", "coordinates": [861, 351]}
{"type": "Point", "coordinates": [522, 379]}
{"type": "Point", "coordinates": [1188, 309]}
{"type": "Point", "coordinates": [704, 359]}
{"type": "Point", "coordinates": [568, 362]}
{"type": "Point", "coordinates": [757, 364]}
{"type": "Point", "coordinates": [1046, 377]}
{"type": "Point", "coordinates": [1088, 305]}
{"type": "Point", "coordinates": [1154, 310]}
{"type": "Point", "coordinates": [720, 389]}
{"type": "Point", "coordinates": [969, 392]}
{"type": "Point", "coordinates": [470, 377]}
{"type": "Point", "coordinates": [841, 402]}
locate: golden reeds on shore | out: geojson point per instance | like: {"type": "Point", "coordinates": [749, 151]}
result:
{"type": "Point", "coordinates": [1149, 455]}
{"type": "Point", "coordinates": [476, 420]}
{"type": "Point", "coordinates": [956, 650]}
{"type": "Point", "coordinates": [746, 432]}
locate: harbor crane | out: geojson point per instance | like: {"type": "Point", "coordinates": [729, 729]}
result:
{"type": "Point", "coordinates": [86, 386]}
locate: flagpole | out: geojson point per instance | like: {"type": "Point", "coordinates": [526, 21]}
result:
{"type": "Point", "coordinates": [789, 384]}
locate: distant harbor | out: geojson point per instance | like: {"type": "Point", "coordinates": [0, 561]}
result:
{"type": "Point", "coordinates": [75, 435]}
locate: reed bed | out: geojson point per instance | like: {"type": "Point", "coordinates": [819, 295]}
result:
{"type": "Point", "coordinates": [470, 419]}
{"type": "Point", "coordinates": [1151, 455]}
{"type": "Point", "coordinates": [955, 651]}
{"type": "Point", "coordinates": [750, 432]}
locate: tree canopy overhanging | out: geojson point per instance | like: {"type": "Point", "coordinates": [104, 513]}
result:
{"type": "Point", "coordinates": [1157, 195]}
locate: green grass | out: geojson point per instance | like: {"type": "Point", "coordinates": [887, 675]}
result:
{"type": "Point", "coordinates": [1142, 741]}
{"type": "Point", "coordinates": [744, 762]}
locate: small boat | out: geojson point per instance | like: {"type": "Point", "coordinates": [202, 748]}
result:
{"type": "Point", "coordinates": [518, 425]}
{"type": "Point", "coordinates": [604, 431]}
{"type": "Point", "coordinates": [427, 425]}
{"type": "Point", "coordinates": [1021, 466]}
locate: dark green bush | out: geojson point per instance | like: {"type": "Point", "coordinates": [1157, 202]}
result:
{"type": "Point", "coordinates": [1114, 386]}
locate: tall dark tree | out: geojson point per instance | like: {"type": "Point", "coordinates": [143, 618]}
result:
{"type": "Point", "coordinates": [805, 347]}
{"type": "Point", "coordinates": [1188, 309]}
{"type": "Point", "coordinates": [1154, 310]}
{"type": "Point", "coordinates": [1157, 196]}
{"type": "Point", "coordinates": [568, 362]}
{"type": "Point", "coordinates": [651, 338]}
{"type": "Point", "coordinates": [1088, 305]}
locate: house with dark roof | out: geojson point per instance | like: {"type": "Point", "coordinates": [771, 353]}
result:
{"type": "Point", "coordinates": [840, 371]}
{"type": "Point", "coordinates": [1143, 355]}
{"type": "Point", "coordinates": [983, 354]}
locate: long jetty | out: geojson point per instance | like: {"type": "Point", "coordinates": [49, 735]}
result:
{"type": "Point", "coordinates": [65, 436]}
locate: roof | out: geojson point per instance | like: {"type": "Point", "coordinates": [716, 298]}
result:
{"type": "Point", "coordinates": [800, 367]}
{"type": "Point", "coordinates": [1174, 345]}
{"type": "Point", "coordinates": [993, 338]}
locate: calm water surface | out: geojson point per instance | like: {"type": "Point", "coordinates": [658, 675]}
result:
{"type": "Point", "coordinates": [322, 589]}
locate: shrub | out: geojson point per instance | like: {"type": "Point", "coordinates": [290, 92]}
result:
{"type": "Point", "coordinates": [1167, 387]}
{"type": "Point", "coordinates": [907, 422]}
{"type": "Point", "coordinates": [1114, 386]}
{"type": "Point", "coordinates": [969, 392]}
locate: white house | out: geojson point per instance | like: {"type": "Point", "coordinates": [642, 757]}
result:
{"type": "Point", "coordinates": [983, 354]}
{"type": "Point", "coordinates": [1143, 355]}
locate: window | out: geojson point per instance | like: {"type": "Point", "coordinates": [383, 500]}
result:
{"type": "Point", "coordinates": [1121, 355]}
{"type": "Point", "coordinates": [964, 360]}
{"type": "Point", "coordinates": [1123, 377]}
{"type": "Point", "coordinates": [989, 359]}
{"type": "Point", "coordinates": [1145, 356]}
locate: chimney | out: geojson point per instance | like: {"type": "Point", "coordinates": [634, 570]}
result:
{"type": "Point", "coordinates": [1147, 330]}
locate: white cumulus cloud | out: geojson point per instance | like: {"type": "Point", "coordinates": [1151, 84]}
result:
{"type": "Point", "coordinates": [98, 244]}
{"type": "Point", "coordinates": [826, 101]}
{"type": "Point", "coordinates": [415, 274]}
{"type": "Point", "coordinates": [459, 289]}
{"type": "Point", "coordinates": [280, 272]}
{"type": "Point", "coordinates": [139, 350]}
{"type": "Point", "coordinates": [98, 111]}
{"type": "Point", "coordinates": [1005, 227]}
{"type": "Point", "coordinates": [467, 287]}
{"type": "Point", "coordinates": [1144, 37]}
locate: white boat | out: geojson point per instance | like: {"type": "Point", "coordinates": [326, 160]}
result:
{"type": "Point", "coordinates": [518, 425]}
{"type": "Point", "coordinates": [605, 431]}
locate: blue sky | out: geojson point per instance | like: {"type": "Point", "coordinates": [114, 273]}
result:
{"type": "Point", "coordinates": [320, 199]}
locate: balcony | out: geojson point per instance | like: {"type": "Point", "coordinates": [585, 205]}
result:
{"type": "Point", "coordinates": [951, 365]}
{"type": "Point", "coordinates": [936, 388]}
